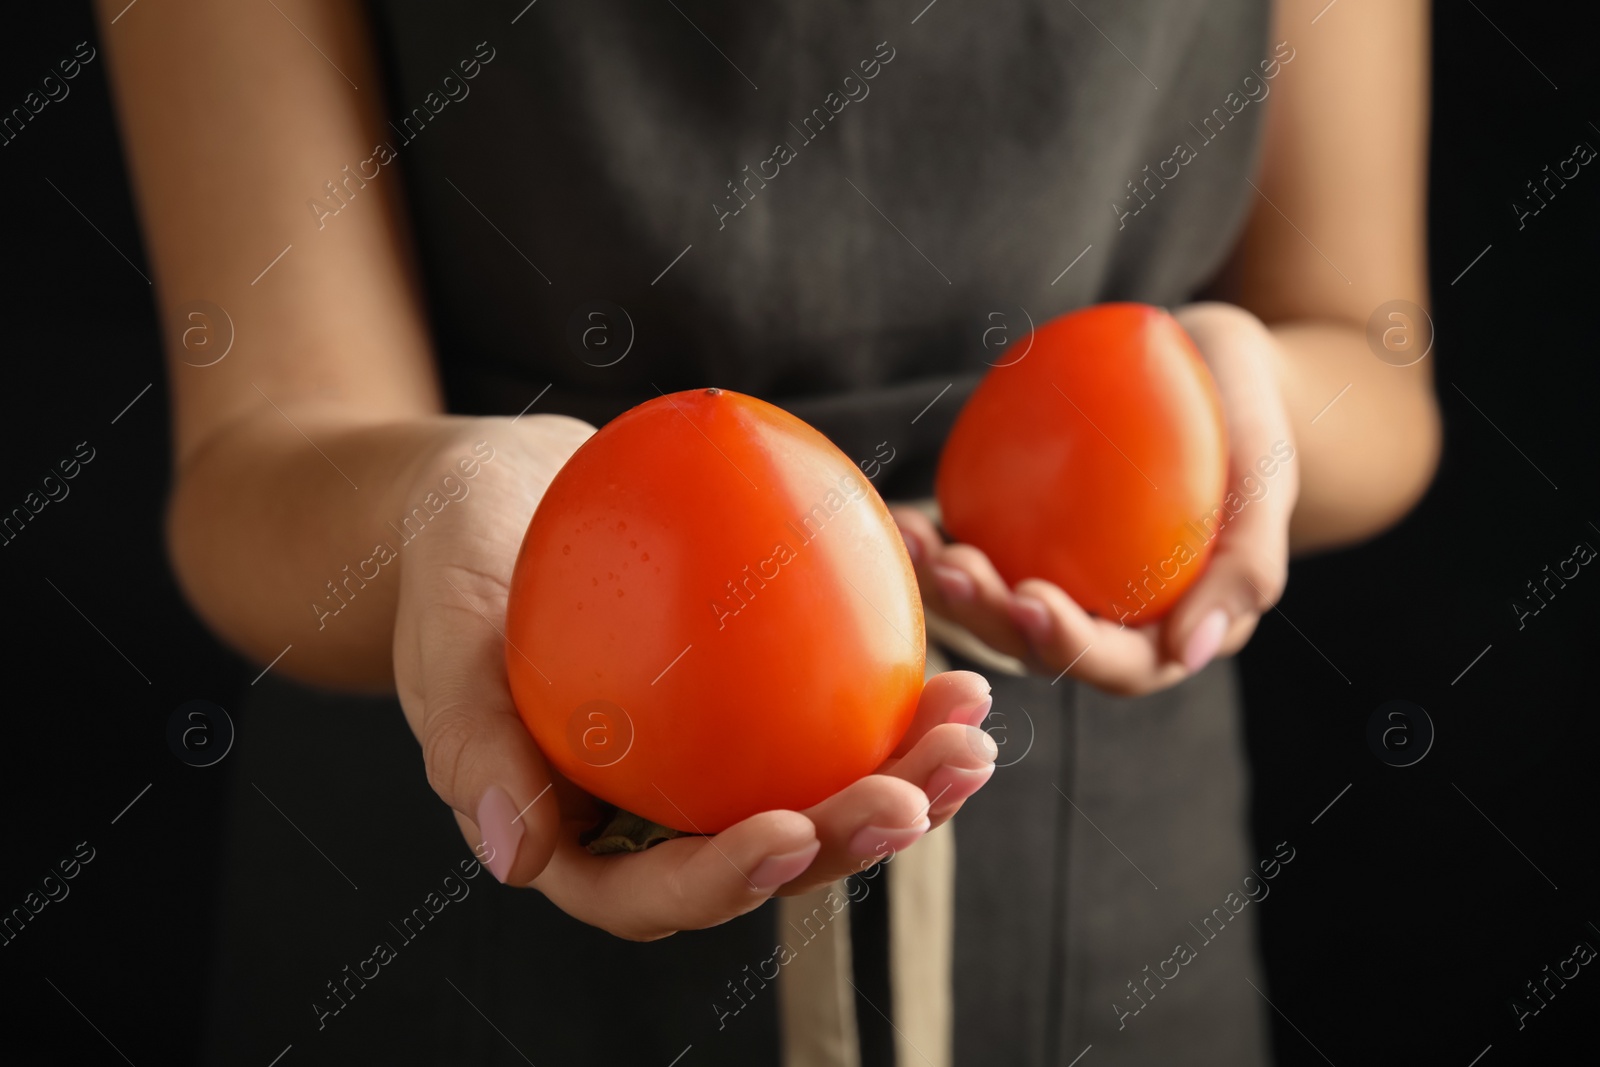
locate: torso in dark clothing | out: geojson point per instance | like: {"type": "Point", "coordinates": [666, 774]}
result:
{"type": "Point", "coordinates": [925, 182]}
{"type": "Point", "coordinates": [824, 204]}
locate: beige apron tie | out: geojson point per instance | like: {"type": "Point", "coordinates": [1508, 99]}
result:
{"type": "Point", "coordinates": [816, 1003]}
{"type": "Point", "coordinates": [922, 889]}
{"type": "Point", "coordinates": [816, 994]}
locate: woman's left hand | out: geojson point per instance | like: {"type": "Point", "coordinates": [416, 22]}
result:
{"type": "Point", "coordinates": [1039, 624]}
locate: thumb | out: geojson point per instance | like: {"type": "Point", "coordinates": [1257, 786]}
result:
{"type": "Point", "coordinates": [479, 756]}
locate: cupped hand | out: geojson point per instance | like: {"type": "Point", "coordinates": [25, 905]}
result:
{"type": "Point", "coordinates": [1041, 625]}
{"type": "Point", "coordinates": [693, 882]}
{"type": "Point", "coordinates": [523, 820]}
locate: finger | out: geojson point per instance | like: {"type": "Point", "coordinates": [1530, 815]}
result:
{"type": "Point", "coordinates": [957, 582]}
{"type": "Point", "coordinates": [949, 765]}
{"type": "Point", "coordinates": [867, 820]}
{"type": "Point", "coordinates": [688, 883]}
{"type": "Point", "coordinates": [924, 544]}
{"type": "Point", "coordinates": [1244, 578]}
{"type": "Point", "coordinates": [479, 756]}
{"type": "Point", "coordinates": [1246, 574]}
{"type": "Point", "coordinates": [954, 696]}
{"type": "Point", "coordinates": [972, 593]}
{"type": "Point", "coordinates": [921, 536]}
{"type": "Point", "coordinates": [1125, 660]}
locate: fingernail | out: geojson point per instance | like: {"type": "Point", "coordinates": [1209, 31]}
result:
{"type": "Point", "coordinates": [502, 831]}
{"type": "Point", "coordinates": [955, 583]}
{"type": "Point", "coordinates": [1031, 617]}
{"type": "Point", "coordinates": [982, 745]}
{"type": "Point", "coordinates": [876, 840]}
{"type": "Point", "coordinates": [774, 871]}
{"type": "Point", "coordinates": [973, 714]}
{"type": "Point", "coordinates": [949, 786]}
{"type": "Point", "coordinates": [1205, 640]}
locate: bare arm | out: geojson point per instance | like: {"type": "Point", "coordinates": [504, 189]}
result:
{"type": "Point", "coordinates": [324, 424]}
{"type": "Point", "coordinates": [1339, 228]}
{"type": "Point", "coordinates": [1336, 231]}
{"type": "Point", "coordinates": [232, 121]}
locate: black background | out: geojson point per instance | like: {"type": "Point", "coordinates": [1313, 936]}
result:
{"type": "Point", "coordinates": [1408, 921]}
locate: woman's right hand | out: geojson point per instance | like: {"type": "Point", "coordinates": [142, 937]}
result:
{"type": "Point", "coordinates": [523, 820]}
{"type": "Point", "coordinates": [326, 420]}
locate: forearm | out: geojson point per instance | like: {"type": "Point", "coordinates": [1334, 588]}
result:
{"type": "Point", "coordinates": [280, 542]}
{"type": "Point", "coordinates": [315, 332]}
{"type": "Point", "coordinates": [1367, 432]}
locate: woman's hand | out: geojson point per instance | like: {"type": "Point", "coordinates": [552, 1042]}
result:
{"type": "Point", "coordinates": [1039, 624]}
{"type": "Point", "coordinates": [523, 820]}
{"type": "Point", "coordinates": [690, 883]}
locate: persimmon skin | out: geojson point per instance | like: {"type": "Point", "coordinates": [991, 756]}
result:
{"type": "Point", "coordinates": [713, 615]}
{"type": "Point", "coordinates": [1095, 456]}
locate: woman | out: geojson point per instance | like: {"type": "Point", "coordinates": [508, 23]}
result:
{"type": "Point", "coordinates": [406, 212]}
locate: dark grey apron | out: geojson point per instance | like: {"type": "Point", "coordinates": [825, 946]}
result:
{"type": "Point", "coordinates": [848, 209]}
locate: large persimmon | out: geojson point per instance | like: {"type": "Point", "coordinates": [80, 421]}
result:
{"type": "Point", "coordinates": [712, 615]}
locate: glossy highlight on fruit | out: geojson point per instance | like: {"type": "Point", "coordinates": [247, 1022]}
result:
{"type": "Point", "coordinates": [712, 615]}
{"type": "Point", "coordinates": [1094, 455]}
